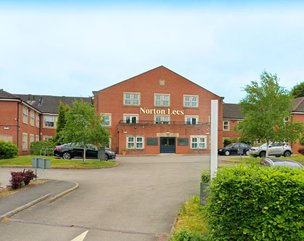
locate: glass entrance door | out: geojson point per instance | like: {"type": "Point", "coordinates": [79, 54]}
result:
{"type": "Point", "coordinates": [167, 145]}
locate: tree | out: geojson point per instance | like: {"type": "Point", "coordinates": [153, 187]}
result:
{"type": "Point", "coordinates": [83, 126]}
{"type": "Point", "coordinates": [298, 90]}
{"type": "Point", "coordinates": [61, 121]}
{"type": "Point", "coordinates": [265, 108]}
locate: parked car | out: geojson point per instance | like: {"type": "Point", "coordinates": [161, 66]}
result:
{"type": "Point", "coordinates": [274, 149]}
{"type": "Point", "coordinates": [71, 150]}
{"type": "Point", "coordinates": [279, 162]}
{"type": "Point", "coordinates": [235, 149]}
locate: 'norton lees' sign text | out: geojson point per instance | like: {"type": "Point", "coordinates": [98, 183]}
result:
{"type": "Point", "coordinates": [160, 111]}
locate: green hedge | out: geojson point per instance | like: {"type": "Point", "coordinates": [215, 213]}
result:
{"type": "Point", "coordinates": [8, 150]}
{"type": "Point", "coordinates": [257, 203]}
{"type": "Point", "coordinates": [42, 147]}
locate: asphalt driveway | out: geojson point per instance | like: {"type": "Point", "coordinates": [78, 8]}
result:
{"type": "Point", "coordinates": [138, 200]}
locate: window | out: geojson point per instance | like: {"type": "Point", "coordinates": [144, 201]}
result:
{"type": "Point", "coordinates": [226, 125]}
{"type": "Point", "coordinates": [190, 100]}
{"type": "Point", "coordinates": [24, 141]}
{"type": "Point", "coordinates": [50, 121]}
{"type": "Point", "coordinates": [25, 115]}
{"type": "Point", "coordinates": [191, 120]}
{"type": "Point", "coordinates": [135, 142]}
{"type": "Point", "coordinates": [163, 119]}
{"type": "Point", "coordinates": [198, 142]}
{"type": "Point", "coordinates": [106, 119]}
{"type": "Point", "coordinates": [32, 118]}
{"type": "Point", "coordinates": [130, 118]}
{"type": "Point", "coordinates": [32, 138]}
{"type": "Point", "coordinates": [37, 137]}
{"type": "Point", "coordinates": [45, 138]}
{"type": "Point", "coordinates": [161, 100]}
{"type": "Point", "coordinates": [37, 121]}
{"type": "Point", "coordinates": [131, 99]}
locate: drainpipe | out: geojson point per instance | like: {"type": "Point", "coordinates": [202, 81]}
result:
{"type": "Point", "coordinates": [18, 124]}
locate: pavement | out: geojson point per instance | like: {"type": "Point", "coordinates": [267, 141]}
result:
{"type": "Point", "coordinates": [27, 197]}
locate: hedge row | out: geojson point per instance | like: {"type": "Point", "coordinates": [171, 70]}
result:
{"type": "Point", "coordinates": [8, 150]}
{"type": "Point", "coordinates": [257, 203]}
{"type": "Point", "coordinates": [42, 147]}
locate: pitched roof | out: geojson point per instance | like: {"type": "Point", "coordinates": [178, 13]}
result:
{"type": "Point", "coordinates": [298, 105]}
{"type": "Point", "coordinates": [232, 111]}
{"type": "Point", "coordinates": [50, 104]}
{"type": "Point", "coordinates": [6, 95]}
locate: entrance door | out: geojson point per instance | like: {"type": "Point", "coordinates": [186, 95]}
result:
{"type": "Point", "coordinates": [167, 145]}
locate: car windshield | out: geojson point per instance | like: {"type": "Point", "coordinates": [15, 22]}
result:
{"type": "Point", "coordinates": [230, 145]}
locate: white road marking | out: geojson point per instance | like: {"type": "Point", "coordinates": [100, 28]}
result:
{"type": "Point", "coordinates": [81, 236]}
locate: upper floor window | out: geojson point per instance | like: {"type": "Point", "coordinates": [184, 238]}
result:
{"type": "Point", "coordinates": [191, 120]}
{"type": "Point", "coordinates": [130, 118]}
{"type": "Point", "coordinates": [161, 99]}
{"type": "Point", "coordinates": [50, 121]}
{"type": "Point", "coordinates": [226, 125]}
{"type": "Point", "coordinates": [25, 115]}
{"type": "Point", "coordinates": [106, 119]}
{"type": "Point", "coordinates": [131, 98]}
{"type": "Point", "coordinates": [162, 119]}
{"type": "Point", "coordinates": [32, 118]}
{"type": "Point", "coordinates": [190, 100]}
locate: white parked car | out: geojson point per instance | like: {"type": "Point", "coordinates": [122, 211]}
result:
{"type": "Point", "coordinates": [274, 149]}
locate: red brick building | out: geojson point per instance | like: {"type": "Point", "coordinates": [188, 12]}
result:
{"type": "Point", "coordinates": [158, 111]}
{"type": "Point", "coordinates": [28, 118]}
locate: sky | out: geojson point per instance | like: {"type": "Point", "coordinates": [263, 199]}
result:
{"type": "Point", "coordinates": [71, 48]}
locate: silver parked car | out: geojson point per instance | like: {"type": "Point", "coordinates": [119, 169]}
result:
{"type": "Point", "coordinates": [274, 149]}
{"type": "Point", "coordinates": [279, 162]}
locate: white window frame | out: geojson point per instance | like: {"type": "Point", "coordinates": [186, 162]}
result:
{"type": "Point", "coordinates": [47, 126]}
{"type": "Point", "coordinates": [134, 144]}
{"type": "Point", "coordinates": [32, 118]}
{"type": "Point", "coordinates": [32, 138]}
{"type": "Point", "coordinates": [197, 144]}
{"type": "Point", "coordinates": [162, 119]}
{"type": "Point", "coordinates": [226, 125]}
{"type": "Point", "coordinates": [132, 98]}
{"type": "Point", "coordinates": [25, 115]}
{"type": "Point", "coordinates": [130, 116]}
{"type": "Point", "coordinates": [191, 117]}
{"type": "Point", "coordinates": [160, 102]}
{"type": "Point", "coordinates": [109, 121]}
{"type": "Point", "coordinates": [191, 104]}
{"type": "Point", "coordinates": [24, 141]}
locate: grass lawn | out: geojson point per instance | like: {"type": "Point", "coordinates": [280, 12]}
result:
{"type": "Point", "coordinates": [26, 161]}
{"type": "Point", "coordinates": [192, 219]}
{"type": "Point", "coordinates": [298, 158]}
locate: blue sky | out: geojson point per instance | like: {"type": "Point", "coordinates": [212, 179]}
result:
{"type": "Point", "coordinates": [71, 48]}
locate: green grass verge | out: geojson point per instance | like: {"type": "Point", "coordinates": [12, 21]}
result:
{"type": "Point", "coordinates": [26, 161]}
{"type": "Point", "coordinates": [256, 160]}
{"type": "Point", "coordinates": [192, 220]}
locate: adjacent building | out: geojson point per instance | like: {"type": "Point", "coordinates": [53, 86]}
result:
{"type": "Point", "coordinates": [158, 111]}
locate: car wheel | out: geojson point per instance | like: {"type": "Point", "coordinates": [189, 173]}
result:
{"type": "Point", "coordinates": [247, 153]}
{"type": "Point", "coordinates": [227, 153]}
{"type": "Point", "coordinates": [107, 157]}
{"type": "Point", "coordinates": [287, 153]}
{"type": "Point", "coordinates": [262, 153]}
{"type": "Point", "coordinates": [66, 155]}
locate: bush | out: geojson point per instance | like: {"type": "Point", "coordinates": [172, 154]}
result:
{"type": "Point", "coordinates": [8, 150]}
{"type": "Point", "coordinates": [18, 179]}
{"type": "Point", "coordinates": [205, 176]}
{"type": "Point", "coordinates": [42, 147]}
{"type": "Point", "coordinates": [227, 141]}
{"type": "Point", "coordinates": [186, 235]}
{"type": "Point", "coordinates": [257, 203]}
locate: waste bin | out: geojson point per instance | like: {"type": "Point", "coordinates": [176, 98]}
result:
{"type": "Point", "coordinates": [101, 153]}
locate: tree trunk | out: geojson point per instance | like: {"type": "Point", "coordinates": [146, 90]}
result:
{"type": "Point", "coordinates": [84, 153]}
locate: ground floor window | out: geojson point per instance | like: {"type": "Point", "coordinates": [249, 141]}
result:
{"type": "Point", "coordinates": [24, 141]}
{"type": "Point", "coordinates": [135, 142]}
{"type": "Point", "coordinates": [198, 142]}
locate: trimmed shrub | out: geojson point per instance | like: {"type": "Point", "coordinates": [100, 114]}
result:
{"type": "Point", "coordinates": [28, 176]}
{"type": "Point", "coordinates": [7, 150]}
{"type": "Point", "coordinates": [257, 203]}
{"type": "Point", "coordinates": [42, 147]}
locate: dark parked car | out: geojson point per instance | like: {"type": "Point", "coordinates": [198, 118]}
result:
{"type": "Point", "coordinates": [279, 162]}
{"type": "Point", "coordinates": [235, 149]}
{"type": "Point", "coordinates": [70, 150]}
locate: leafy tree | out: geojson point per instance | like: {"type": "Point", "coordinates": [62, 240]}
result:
{"type": "Point", "coordinates": [265, 108]}
{"type": "Point", "coordinates": [63, 109]}
{"type": "Point", "coordinates": [298, 90]}
{"type": "Point", "coordinates": [83, 126]}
